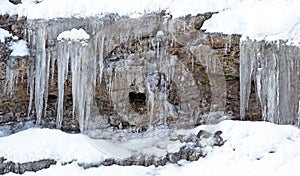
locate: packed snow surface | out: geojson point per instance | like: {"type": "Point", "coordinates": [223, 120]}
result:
{"type": "Point", "coordinates": [251, 148]}
{"type": "Point", "coordinates": [74, 34]}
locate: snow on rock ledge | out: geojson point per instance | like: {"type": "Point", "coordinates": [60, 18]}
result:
{"type": "Point", "coordinates": [4, 34]}
{"type": "Point", "coordinates": [19, 48]}
{"type": "Point", "coordinates": [260, 20]}
{"type": "Point", "coordinates": [74, 34]}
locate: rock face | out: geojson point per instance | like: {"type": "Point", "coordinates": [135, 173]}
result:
{"type": "Point", "coordinates": [131, 73]}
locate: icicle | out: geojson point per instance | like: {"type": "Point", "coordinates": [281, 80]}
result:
{"type": "Point", "coordinates": [299, 113]}
{"type": "Point", "coordinates": [275, 74]}
{"type": "Point", "coordinates": [151, 102]}
{"type": "Point", "coordinates": [62, 68]}
{"type": "Point", "coordinates": [101, 59]}
{"type": "Point", "coordinates": [47, 82]}
{"type": "Point", "coordinates": [31, 79]}
{"type": "Point", "coordinates": [246, 69]}
{"type": "Point", "coordinates": [53, 59]}
{"type": "Point", "coordinates": [40, 71]}
{"type": "Point", "coordinates": [11, 79]}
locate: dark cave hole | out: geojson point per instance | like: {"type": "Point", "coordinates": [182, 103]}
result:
{"type": "Point", "coordinates": [137, 101]}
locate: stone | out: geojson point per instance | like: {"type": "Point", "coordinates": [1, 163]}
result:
{"type": "Point", "coordinates": [16, 1]}
{"type": "Point", "coordinates": [20, 168]}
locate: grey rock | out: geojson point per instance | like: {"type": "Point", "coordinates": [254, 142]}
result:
{"type": "Point", "coordinates": [20, 168]}
{"type": "Point", "coordinates": [16, 1]}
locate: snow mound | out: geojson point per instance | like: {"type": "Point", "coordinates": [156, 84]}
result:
{"type": "Point", "coordinates": [37, 144]}
{"type": "Point", "coordinates": [74, 34]}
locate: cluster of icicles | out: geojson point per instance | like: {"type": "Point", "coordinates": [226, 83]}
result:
{"type": "Point", "coordinates": [275, 70]}
{"type": "Point", "coordinates": [85, 60]}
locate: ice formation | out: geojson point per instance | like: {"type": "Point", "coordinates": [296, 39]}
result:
{"type": "Point", "coordinates": [130, 62]}
{"type": "Point", "coordinates": [275, 69]}
{"type": "Point", "coordinates": [71, 49]}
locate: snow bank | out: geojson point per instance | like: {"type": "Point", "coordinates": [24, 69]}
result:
{"type": "Point", "coordinates": [36, 144]}
{"type": "Point", "coordinates": [4, 34]}
{"type": "Point", "coordinates": [257, 19]}
{"type": "Point", "coordinates": [251, 148]}
{"type": "Point", "coordinates": [47, 9]}
{"type": "Point", "coordinates": [74, 34]}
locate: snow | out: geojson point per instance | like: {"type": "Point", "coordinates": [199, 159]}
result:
{"type": "Point", "coordinates": [4, 34]}
{"type": "Point", "coordinates": [36, 144]}
{"type": "Point", "coordinates": [260, 20]}
{"type": "Point", "coordinates": [74, 34]}
{"type": "Point", "coordinates": [257, 19]}
{"type": "Point", "coordinates": [19, 48]}
{"type": "Point", "coordinates": [251, 148]}
{"type": "Point", "coordinates": [133, 8]}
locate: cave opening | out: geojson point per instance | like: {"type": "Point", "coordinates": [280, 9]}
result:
{"type": "Point", "coordinates": [137, 101]}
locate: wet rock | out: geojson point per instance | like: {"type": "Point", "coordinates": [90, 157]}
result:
{"type": "Point", "coordinates": [218, 139]}
{"type": "Point", "coordinates": [203, 134]}
{"type": "Point", "coordinates": [17, 62]}
{"type": "Point", "coordinates": [108, 162]}
{"type": "Point", "coordinates": [4, 52]}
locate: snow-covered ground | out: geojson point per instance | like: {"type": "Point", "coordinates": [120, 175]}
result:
{"type": "Point", "coordinates": [251, 148]}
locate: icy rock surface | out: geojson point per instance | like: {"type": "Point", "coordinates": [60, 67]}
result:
{"type": "Point", "coordinates": [275, 69]}
{"type": "Point", "coordinates": [128, 76]}
{"type": "Point", "coordinates": [86, 62]}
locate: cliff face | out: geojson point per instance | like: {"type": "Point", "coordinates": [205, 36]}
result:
{"type": "Point", "coordinates": [152, 71]}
